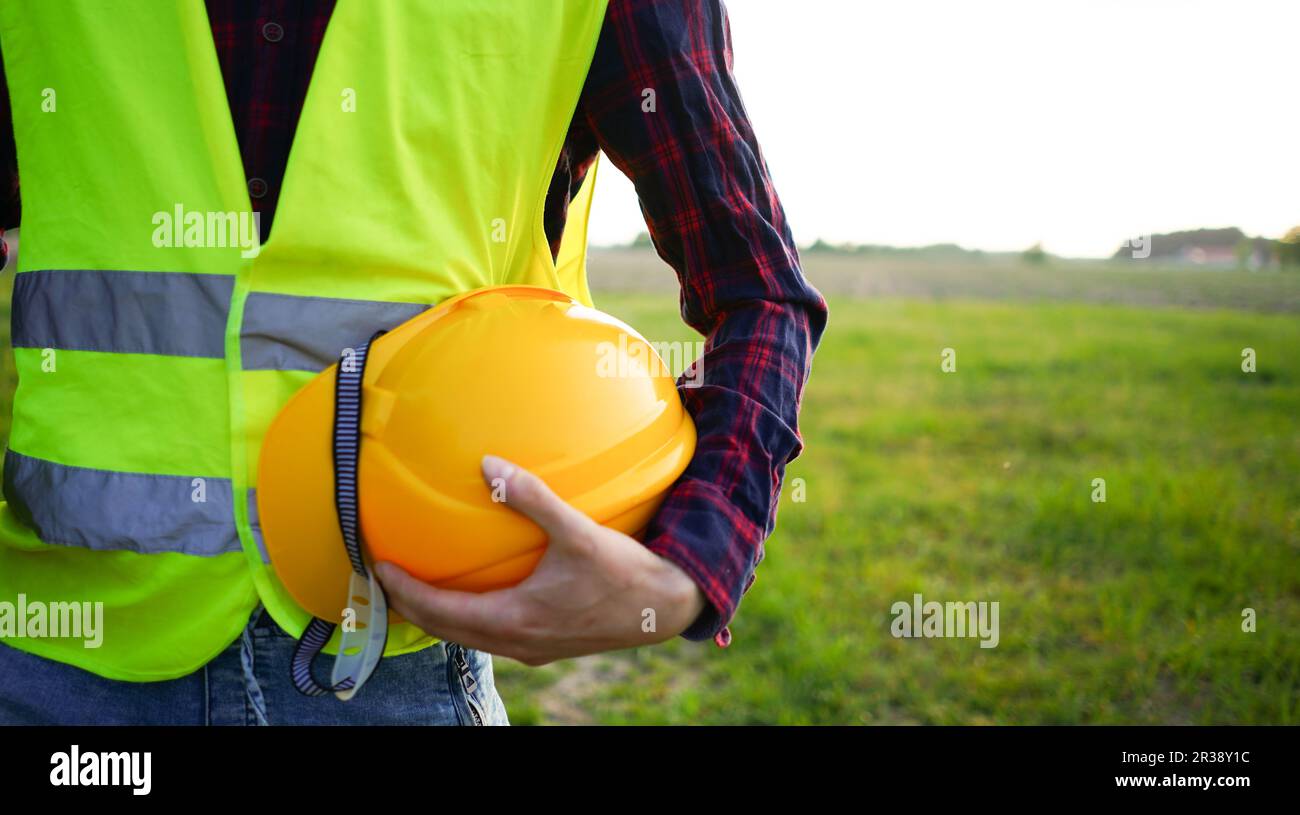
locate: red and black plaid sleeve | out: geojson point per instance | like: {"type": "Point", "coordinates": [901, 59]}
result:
{"type": "Point", "coordinates": [715, 218]}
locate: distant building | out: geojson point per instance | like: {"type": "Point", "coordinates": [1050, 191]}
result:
{"type": "Point", "coordinates": [1226, 248]}
{"type": "Point", "coordinates": [1208, 255]}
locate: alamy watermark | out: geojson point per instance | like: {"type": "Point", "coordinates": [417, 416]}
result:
{"type": "Point", "coordinates": [934, 619]}
{"type": "Point", "coordinates": [196, 229]}
{"type": "Point", "coordinates": [76, 768]}
{"type": "Point", "coordinates": [58, 620]}
{"type": "Point", "coordinates": [643, 358]}
{"type": "Point", "coordinates": [1139, 247]}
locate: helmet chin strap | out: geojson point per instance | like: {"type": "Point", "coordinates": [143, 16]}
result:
{"type": "Point", "coordinates": [365, 620]}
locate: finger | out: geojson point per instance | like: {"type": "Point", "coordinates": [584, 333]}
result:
{"type": "Point", "coordinates": [410, 598]}
{"type": "Point", "coordinates": [414, 613]}
{"type": "Point", "coordinates": [442, 611]}
{"type": "Point", "coordinates": [528, 494]}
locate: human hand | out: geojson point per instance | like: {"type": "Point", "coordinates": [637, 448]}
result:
{"type": "Point", "coordinates": [589, 592]}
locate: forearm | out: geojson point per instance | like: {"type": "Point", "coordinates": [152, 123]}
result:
{"type": "Point", "coordinates": [715, 218]}
{"type": "Point", "coordinates": [715, 519]}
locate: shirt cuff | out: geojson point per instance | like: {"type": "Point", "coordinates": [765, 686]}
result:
{"type": "Point", "coordinates": [704, 535]}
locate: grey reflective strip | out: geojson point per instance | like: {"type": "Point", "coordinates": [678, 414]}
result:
{"type": "Point", "coordinates": [254, 523]}
{"type": "Point", "coordinates": [183, 314]}
{"type": "Point", "coordinates": [169, 313]}
{"type": "Point", "coordinates": [107, 510]}
{"type": "Point", "coordinates": [286, 332]}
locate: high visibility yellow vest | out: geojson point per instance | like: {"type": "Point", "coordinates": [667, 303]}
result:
{"type": "Point", "coordinates": [149, 367]}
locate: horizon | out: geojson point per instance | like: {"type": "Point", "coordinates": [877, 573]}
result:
{"type": "Point", "coordinates": [849, 245]}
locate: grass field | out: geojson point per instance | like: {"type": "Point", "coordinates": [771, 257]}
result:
{"type": "Point", "coordinates": [976, 485]}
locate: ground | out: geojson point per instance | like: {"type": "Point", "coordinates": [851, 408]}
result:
{"type": "Point", "coordinates": [979, 485]}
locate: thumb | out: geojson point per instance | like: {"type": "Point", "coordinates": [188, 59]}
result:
{"type": "Point", "coordinates": [529, 495]}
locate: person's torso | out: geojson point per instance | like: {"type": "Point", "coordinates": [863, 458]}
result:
{"type": "Point", "coordinates": [155, 338]}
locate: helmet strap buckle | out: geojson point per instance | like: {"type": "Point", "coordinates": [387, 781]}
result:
{"type": "Point", "coordinates": [362, 635]}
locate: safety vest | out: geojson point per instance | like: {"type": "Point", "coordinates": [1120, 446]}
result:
{"type": "Point", "coordinates": [153, 349]}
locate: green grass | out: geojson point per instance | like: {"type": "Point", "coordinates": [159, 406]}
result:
{"type": "Point", "coordinates": [976, 485]}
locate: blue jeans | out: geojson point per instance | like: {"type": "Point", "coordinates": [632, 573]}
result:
{"type": "Point", "coordinates": [248, 684]}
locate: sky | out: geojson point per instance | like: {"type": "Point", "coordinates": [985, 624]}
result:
{"type": "Point", "coordinates": [999, 124]}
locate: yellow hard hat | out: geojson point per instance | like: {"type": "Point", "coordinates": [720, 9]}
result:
{"type": "Point", "coordinates": [526, 373]}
